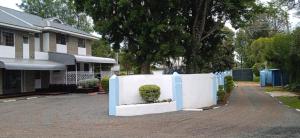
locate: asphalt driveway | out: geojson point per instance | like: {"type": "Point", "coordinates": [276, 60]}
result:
{"type": "Point", "coordinates": [250, 113]}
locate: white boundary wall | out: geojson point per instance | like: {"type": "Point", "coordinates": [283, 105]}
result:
{"type": "Point", "coordinates": [197, 90]}
{"type": "Point", "coordinates": [187, 91]}
{"type": "Point", "coordinates": [129, 87]}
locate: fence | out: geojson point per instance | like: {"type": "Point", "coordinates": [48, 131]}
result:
{"type": "Point", "coordinates": [242, 74]}
{"type": "Point", "coordinates": [187, 91]}
{"type": "Point", "coordinates": [73, 77]}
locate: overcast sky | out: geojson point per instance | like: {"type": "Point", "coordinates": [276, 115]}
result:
{"type": "Point", "coordinates": [12, 4]}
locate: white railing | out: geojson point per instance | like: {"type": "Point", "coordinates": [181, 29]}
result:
{"type": "Point", "coordinates": [81, 75]}
{"type": "Point", "coordinates": [70, 77]}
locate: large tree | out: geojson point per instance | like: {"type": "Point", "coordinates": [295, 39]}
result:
{"type": "Point", "coordinates": [62, 9]}
{"type": "Point", "coordinates": [151, 29]}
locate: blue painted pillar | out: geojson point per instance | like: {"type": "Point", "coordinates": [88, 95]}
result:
{"type": "Point", "coordinates": [214, 88]}
{"type": "Point", "coordinates": [177, 90]}
{"type": "Point", "coordinates": [113, 95]}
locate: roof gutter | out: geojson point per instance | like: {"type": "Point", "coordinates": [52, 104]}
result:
{"type": "Point", "coordinates": [21, 28]}
{"type": "Point", "coordinates": [69, 32]}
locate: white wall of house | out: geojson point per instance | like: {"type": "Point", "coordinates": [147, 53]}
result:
{"type": "Point", "coordinates": [26, 51]}
{"type": "Point", "coordinates": [7, 51]}
{"type": "Point", "coordinates": [37, 44]}
{"type": "Point", "coordinates": [46, 42]}
{"type": "Point", "coordinates": [129, 87]}
{"type": "Point", "coordinates": [61, 48]}
{"type": "Point", "coordinates": [197, 90]}
{"type": "Point", "coordinates": [81, 51]}
{"type": "Point", "coordinates": [41, 55]}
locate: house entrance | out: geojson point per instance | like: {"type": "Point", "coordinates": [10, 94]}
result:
{"type": "Point", "coordinates": [12, 82]}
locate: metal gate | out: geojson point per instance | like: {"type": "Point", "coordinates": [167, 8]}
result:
{"type": "Point", "coordinates": [245, 74]}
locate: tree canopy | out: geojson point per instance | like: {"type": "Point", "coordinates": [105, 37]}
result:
{"type": "Point", "coordinates": [62, 9]}
{"type": "Point", "coordinates": [155, 30]}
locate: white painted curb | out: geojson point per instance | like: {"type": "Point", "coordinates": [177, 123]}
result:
{"type": "Point", "coordinates": [199, 110]}
{"type": "Point", "coordinates": [12, 100]}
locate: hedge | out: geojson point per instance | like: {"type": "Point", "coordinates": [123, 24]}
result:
{"type": "Point", "coordinates": [89, 83]}
{"type": "Point", "coordinates": [149, 93]}
{"type": "Point", "coordinates": [229, 84]}
{"type": "Point", "coordinates": [105, 84]}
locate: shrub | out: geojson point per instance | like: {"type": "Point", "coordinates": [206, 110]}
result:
{"type": "Point", "coordinates": [149, 93]}
{"type": "Point", "coordinates": [221, 93]}
{"type": "Point", "coordinates": [105, 84]}
{"type": "Point", "coordinates": [89, 83]}
{"type": "Point", "coordinates": [229, 84]}
{"type": "Point", "coordinates": [294, 87]}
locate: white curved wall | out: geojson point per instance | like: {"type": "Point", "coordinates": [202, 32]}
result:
{"type": "Point", "coordinates": [129, 87]}
{"type": "Point", "coordinates": [197, 90]}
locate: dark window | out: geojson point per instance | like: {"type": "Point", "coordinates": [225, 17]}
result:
{"type": "Point", "coordinates": [81, 43]}
{"type": "Point", "coordinates": [36, 35]}
{"type": "Point", "coordinates": [71, 67]}
{"type": "Point", "coordinates": [37, 75]}
{"type": "Point", "coordinates": [78, 66]}
{"type": "Point", "coordinates": [8, 38]}
{"type": "Point", "coordinates": [61, 39]}
{"type": "Point", "coordinates": [25, 40]}
{"type": "Point", "coordinates": [86, 67]}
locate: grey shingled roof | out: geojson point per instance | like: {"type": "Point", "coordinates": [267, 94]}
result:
{"type": "Point", "coordinates": [6, 19]}
{"type": "Point", "coordinates": [21, 19]}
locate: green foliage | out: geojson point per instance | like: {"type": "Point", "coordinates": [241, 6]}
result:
{"type": "Point", "coordinates": [149, 93]}
{"type": "Point", "coordinates": [294, 87]}
{"type": "Point", "coordinates": [89, 83]}
{"type": "Point", "coordinates": [293, 102]}
{"type": "Point", "coordinates": [62, 9]}
{"type": "Point", "coordinates": [294, 57]}
{"type": "Point", "coordinates": [257, 67]}
{"type": "Point", "coordinates": [229, 84]}
{"type": "Point", "coordinates": [101, 48]}
{"type": "Point", "coordinates": [221, 93]}
{"type": "Point", "coordinates": [155, 31]}
{"type": "Point", "coordinates": [256, 78]}
{"type": "Point", "coordinates": [105, 84]}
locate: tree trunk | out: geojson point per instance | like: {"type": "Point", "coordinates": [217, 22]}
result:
{"type": "Point", "coordinates": [145, 68]}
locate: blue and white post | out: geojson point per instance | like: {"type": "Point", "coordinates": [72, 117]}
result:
{"type": "Point", "coordinates": [113, 95]}
{"type": "Point", "coordinates": [177, 90]}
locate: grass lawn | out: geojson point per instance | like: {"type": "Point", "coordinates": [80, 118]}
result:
{"type": "Point", "coordinates": [272, 89]}
{"type": "Point", "coordinates": [293, 102]}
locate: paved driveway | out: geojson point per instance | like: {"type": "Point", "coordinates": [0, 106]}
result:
{"type": "Point", "coordinates": [250, 113]}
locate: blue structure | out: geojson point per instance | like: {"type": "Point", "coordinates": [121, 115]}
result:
{"type": "Point", "coordinates": [273, 77]}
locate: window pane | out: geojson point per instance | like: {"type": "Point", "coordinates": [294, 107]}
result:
{"type": "Point", "coordinates": [86, 67]}
{"type": "Point", "coordinates": [60, 39]}
{"type": "Point", "coordinates": [8, 38]}
{"type": "Point", "coordinates": [25, 39]}
{"type": "Point", "coordinates": [81, 43]}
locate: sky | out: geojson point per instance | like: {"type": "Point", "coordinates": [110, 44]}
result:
{"type": "Point", "coordinates": [292, 18]}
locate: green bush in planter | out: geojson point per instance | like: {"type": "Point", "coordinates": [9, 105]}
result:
{"type": "Point", "coordinates": [89, 83]}
{"type": "Point", "coordinates": [221, 93]}
{"type": "Point", "coordinates": [105, 83]}
{"type": "Point", "coordinates": [229, 84]}
{"type": "Point", "coordinates": [149, 93]}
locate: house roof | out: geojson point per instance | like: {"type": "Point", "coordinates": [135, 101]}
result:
{"type": "Point", "coordinates": [69, 59]}
{"type": "Point", "coordinates": [30, 64]}
{"type": "Point", "coordinates": [34, 23]}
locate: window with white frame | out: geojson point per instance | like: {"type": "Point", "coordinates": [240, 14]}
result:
{"type": "Point", "coordinates": [81, 43]}
{"type": "Point", "coordinates": [7, 38]}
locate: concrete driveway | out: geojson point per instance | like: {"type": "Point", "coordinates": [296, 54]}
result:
{"type": "Point", "coordinates": [250, 113]}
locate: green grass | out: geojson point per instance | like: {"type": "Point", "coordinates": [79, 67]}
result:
{"type": "Point", "coordinates": [256, 78]}
{"type": "Point", "coordinates": [272, 89]}
{"type": "Point", "coordinates": [293, 102]}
